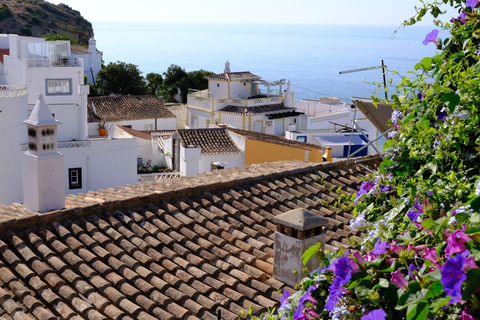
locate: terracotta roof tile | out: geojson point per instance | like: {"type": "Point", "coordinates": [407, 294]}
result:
{"type": "Point", "coordinates": [126, 108]}
{"type": "Point", "coordinates": [210, 141]}
{"type": "Point", "coordinates": [233, 76]}
{"type": "Point", "coordinates": [278, 108]}
{"type": "Point", "coordinates": [172, 251]}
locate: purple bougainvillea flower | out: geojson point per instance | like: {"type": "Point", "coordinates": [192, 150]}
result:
{"type": "Point", "coordinates": [343, 273]}
{"type": "Point", "coordinates": [308, 296]}
{"type": "Point", "coordinates": [380, 247]}
{"type": "Point", "coordinates": [285, 304]}
{"type": "Point", "coordinates": [442, 115]}
{"type": "Point", "coordinates": [412, 268]}
{"type": "Point", "coordinates": [365, 187]}
{"type": "Point", "coordinates": [415, 212]}
{"type": "Point", "coordinates": [431, 254]}
{"type": "Point", "coordinates": [456, 242]}
{"type": "Point", "coordinates": [431, 37]}
{"type": "Point", "coordinates": [399, 280]}
{"type": "Point", "coordinates": [421, 96]}
{"type": "Point", "coordinates": [377, 314]}
{"type": "Point", "coordinates": [472, 3]}
{"type": "Point", "coordinates": [453, 275]}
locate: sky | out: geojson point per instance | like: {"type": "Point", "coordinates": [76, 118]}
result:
{"type": "Point", "coordinates": [364, 12]}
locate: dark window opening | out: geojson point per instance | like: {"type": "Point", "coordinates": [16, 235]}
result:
{"type": "Point", "coordinates": [75, 178]}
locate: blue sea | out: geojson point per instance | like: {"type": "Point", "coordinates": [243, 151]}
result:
{"type": "Point", "coordinates": [310, 56]}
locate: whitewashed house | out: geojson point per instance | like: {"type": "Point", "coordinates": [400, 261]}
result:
{"type": "Point", "coordinates": [243, 100]}
{"type": "Point", "coordinates": [92, 59]}
{"type": "Point", "coordinates": [201, 150]}
{"type": "Point", "coordinates": [329, 123]}
{"type": "Point", "coordinates": [32, 66]}
{"type": "Point", "coordinates": [142, 113]}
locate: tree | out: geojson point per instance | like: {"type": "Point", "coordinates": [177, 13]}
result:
{"type": "Point", "coordinates": [176, 78]}
{"type": "Point", "coordinates": [120, 78]}
{"type": "Point", "coordinates": [154, 83]}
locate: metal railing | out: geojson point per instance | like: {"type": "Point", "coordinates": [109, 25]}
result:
{"type": "Point", "coordinates": [12, 91]}
{"type": "Point", "coordinates": [54, 63]}
{"type": "Point", "coordinates": [158, 176]}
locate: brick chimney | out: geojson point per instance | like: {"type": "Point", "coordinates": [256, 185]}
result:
{"type": "Point", "coordinates": [297, 230]}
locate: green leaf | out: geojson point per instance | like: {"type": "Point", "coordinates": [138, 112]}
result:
{"type": "Point", "coordinates": [395, 211]}
{"type": "Point", "coordinates": [413, 295]}
{"type": "Point", "coordinates": [427, 63]}
{"type": "Point", "coordinates": [473, 280]}
{"type": "Point", "coordinates": [475, 202]}
{"type": "Point", "coordinates": [418, 311]}
{"type": "Point", "coordinates": [474, 248]}
{"type": "Point", "coordinates": [452, 99]}
{"type": "Point", "coordinates": [310, 252]}
{"type": "Point", "coordinates": [428, 224]}
{"type": "Point", "coordinates": [439, 303]}
{"type": "Point", "coordinates": [382, 282]}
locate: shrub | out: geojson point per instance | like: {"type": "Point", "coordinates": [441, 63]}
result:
{"type": "Point", "coordinates": [421, 211]}
{"type": "Point", "coordinates": [5, 13]}
{"type": "Point", "coordinates": [26, 31]}
{"type": "Point", "coordinates": [35, 21]}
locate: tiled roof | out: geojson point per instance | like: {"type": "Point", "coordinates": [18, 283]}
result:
{"type": "Point", "coordinates": [136, 133]}
{"type": "Point", "coordinates": [78, 49]}
{"type": "Point", "coordinates": [270, 138]}
{"type": "Point", "coordinates": [128, 108]}
{"type": "Point", "coordinates": [233, 76]}
{"type": "Point", "coordinates": [263, 109]}
{"type": "Point", "coordinates": [170, 249]}
{"type": "Point", "coordinates": [211, 141]}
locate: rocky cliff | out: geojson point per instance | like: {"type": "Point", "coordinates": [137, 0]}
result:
{"type": "Point", "coordinates": [38, 18]}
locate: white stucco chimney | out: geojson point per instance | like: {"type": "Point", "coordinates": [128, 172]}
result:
{"type": "Point", "coordinates": [227, 67]}
{"type": "Point", "coordinates": [297, 230]}
{"type": "Point", "coordinates": [92, 46]}
{"type": "Point", "coordinates": [42, 165]}
{"type": "Point", "coordinates": [288, 100]}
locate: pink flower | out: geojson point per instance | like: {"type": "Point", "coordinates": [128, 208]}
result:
{"type": "Point", "coordinates": [456, 242]}
{"type": "Point", "coordinates": [431, 254]}
{"type": "Point", "coordinates": [465, 315]}
{"type": "Point", "coordinates": [399, 280]}
{"type": "Point", "coordinates": [431, 37]}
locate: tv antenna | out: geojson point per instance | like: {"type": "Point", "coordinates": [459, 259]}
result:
{"type": "Point", "coordinates": [383, 67]}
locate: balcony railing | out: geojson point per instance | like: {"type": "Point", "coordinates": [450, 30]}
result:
{"type": "Point", "coordinates": [45, 63]}
{"type": "Point", "coordinates": [12, 91]}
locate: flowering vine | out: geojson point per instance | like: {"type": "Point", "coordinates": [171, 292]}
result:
{"type": "Point", "coordinates": [420, 213]}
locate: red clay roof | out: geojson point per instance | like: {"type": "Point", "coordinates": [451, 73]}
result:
{"type": "Point", "coordinates": [233, 76]}
{"type": "Point", "coordinates": [136, 133]}
{"type": "Point", "coordinates": [4, 52]}
{"type": "Point", "coordinates": [170, 249]}
{"type": "Point", "coordinates": [128, 108]}
{"type": "Point", "coordinates": [211, 141]}
{"type": "Point", "coordinates": [270, 138]}
{"type": "Point", "coordinates": [263, 109]}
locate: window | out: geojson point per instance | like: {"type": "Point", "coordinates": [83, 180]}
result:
{"type": "Point", "coordinates": [75, 178]}
{"type": "Point", "coordinates": [218, 85]}
{"type": "Point", "coordinates": [58, 86]}
{"type": "Point", "coordinates": [302, 138]}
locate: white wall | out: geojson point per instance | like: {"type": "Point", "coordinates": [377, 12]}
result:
{"type": "Point", "coordinates": [140, 125]}
{"type": "Point", "coordinates": [201, 116]}
{"type": "Point", "coordinates": [233, 161]}
{"type": "Point", "coordinates": [238, 90]}
{"type": "Point", "coordinates": [13, 134]}
{"type": "Point", "coordinates": [233, 120]}
{"type": "Point", "coordinates": [189, 160]}
{"type": "Point", "coordinates": [220, 91]}
{"type": "Point", "coordinates": [105, 164]}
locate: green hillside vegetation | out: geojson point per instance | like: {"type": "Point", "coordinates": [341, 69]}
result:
{"type": "Point", "coordinates": [40, 18]}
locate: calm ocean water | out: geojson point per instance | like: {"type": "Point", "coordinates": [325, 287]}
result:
{"type": "Point", "coordinates": [310, 56]}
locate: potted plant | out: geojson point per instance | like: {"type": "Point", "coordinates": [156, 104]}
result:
{"type": "Point", "coordinates": [101, 128]}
